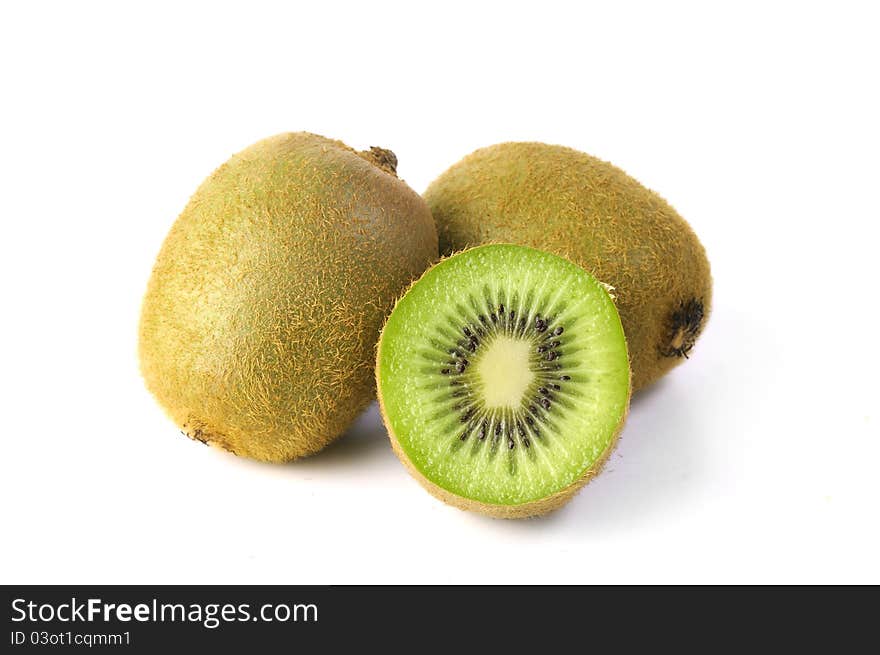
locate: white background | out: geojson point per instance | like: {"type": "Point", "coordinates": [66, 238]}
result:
{"type": "Point", "coordinates": [756, 461]}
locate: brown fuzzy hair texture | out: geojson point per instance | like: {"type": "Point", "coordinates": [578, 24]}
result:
{"type": "Point", "coordinates": [260, 319]}
{"type": "Point", "coordinates": [524, 510]}
{"type": "Point", "coordinates": [574, 205]}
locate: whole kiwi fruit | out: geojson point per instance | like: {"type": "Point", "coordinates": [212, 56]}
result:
{"type": "Point", "coordinates": [574, 205]}
{"type": "Point", "coordinates": [260, 319]}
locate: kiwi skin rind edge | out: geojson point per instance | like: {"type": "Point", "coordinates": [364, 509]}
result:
{"type": "Point", "coordinates": [530, 509]}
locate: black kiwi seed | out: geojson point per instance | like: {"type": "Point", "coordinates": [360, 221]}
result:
{"type": "Point", "coordinates": [519, 427]}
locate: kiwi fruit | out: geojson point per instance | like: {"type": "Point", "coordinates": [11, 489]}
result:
{"type": "Point", "coordinates": [577, 206]}
{"type": "Point", "coordinates": [503, 379]}
{"type": "Point", "coordinates": [260, 319]}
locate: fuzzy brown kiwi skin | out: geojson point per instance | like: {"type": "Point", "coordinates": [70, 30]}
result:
{"type": "Point", "coordinates": [258, 325]}
{"type": "Point", "coordinates": [530, 509]}
{"type": "Point", "coordinates": [584, 209]}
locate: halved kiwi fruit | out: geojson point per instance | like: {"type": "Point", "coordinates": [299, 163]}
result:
{"type": "Point", "coordinates": [504, 379]}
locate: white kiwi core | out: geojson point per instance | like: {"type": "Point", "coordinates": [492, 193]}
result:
{"type": "Point", "coordinates": [504, 372]}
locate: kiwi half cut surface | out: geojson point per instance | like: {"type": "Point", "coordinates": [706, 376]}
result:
{"type": "Point", "coordinates": [504, 379]}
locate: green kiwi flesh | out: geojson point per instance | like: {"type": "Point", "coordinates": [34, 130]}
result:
{"type": "Point", "coordinates": [504, 379]}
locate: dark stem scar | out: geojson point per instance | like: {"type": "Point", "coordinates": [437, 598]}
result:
{"type": "Point", "coordinates": [683, 328]}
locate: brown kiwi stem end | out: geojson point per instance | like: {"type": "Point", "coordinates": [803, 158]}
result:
{"type": "Point", "coordinates": [381, 158]}
{"type": "Point", "coordinates": [685, 324]}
